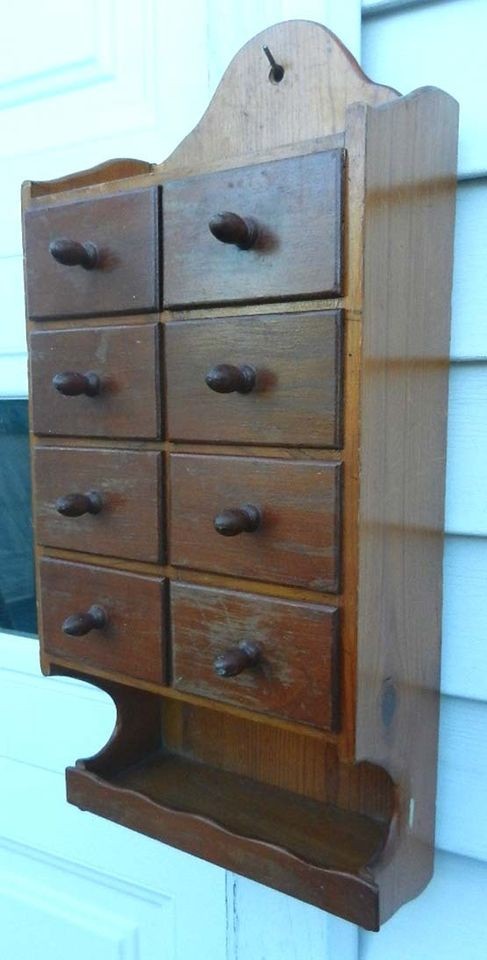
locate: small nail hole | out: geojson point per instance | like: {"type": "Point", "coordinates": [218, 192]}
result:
{"type": "Point", "coordinates": [276, 73]}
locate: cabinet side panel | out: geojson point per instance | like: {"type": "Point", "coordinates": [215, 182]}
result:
{"type": "Point", "coordinates": [409, 214]}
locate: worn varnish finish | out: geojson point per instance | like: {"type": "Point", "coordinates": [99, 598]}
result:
{"type": "Point", "coordinates": [128, 520]}
{"type": "Point", "coordinates": [125, 361]}
{"type": "Point", "coordinates": [133, 640]}
{"type": "Point", "coordinates": [296, 675]}
{"type": "Point", "coordinates": [297, 539]}
{"type": "Point", "coordinates": [122, 232]}
{"type": "Point", "coordinates": [297, 391]}
{"type": "Point", "coordinates": [295, 207]}
{"type": "Point", "coordinates": [324, 414]}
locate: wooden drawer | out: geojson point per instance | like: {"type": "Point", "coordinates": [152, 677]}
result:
{"type": "Point", "coordinates": [125, 361]}
{"type": "Point", "coordinates": [297, 537]}
{"type": "Point", "coordinates": [286, 653]}
{"type": "Point", "coordinates": [120, 231]}
{"type": "Point", "coordinates": [272, 379]}
{"type": "Point", "coordinates": [131, 642]}
{"type": "Point", "coordinates": [99, 501]}
{"type": "Point", "coordinates": [292, 210]}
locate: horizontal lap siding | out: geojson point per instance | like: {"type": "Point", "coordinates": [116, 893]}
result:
{"type": "Point", "coordinates": [443, 44]}
{"type": "Point", "coordinates": [447, 922]}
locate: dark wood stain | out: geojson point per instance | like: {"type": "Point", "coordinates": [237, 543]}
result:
{"type": "Point", "coordinates": [129, 521]}
{"type": "Point", "coordinates": [124, 230]}
{"type": "Point", "coordinates": [124, 358]}
{"type": "Point", "coordinates": [297, 541]}
{"type": "Point", "coordinates": [134, 638]}
{"type": "Point", "coordinates": [297, 672]}
{"type": "Point", "coordinates": [298, 379]}
{"type": "Point", "coordinates": [297, 207]}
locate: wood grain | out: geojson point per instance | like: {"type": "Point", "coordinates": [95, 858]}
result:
{"type": "Point", "coordinates": [409, 213]}
{"type": "Point", "coordinates": [299, 536]}
{"type": "Point", "coordinates": [296, 204]}
{"type": "Point", "coordinates": [102, 173]}
{"type": "Point", "coordinates": [124, 230]}
{"type": "Point", "coordinates": [149, 797]}
{"type": "Point", "coordinates": [129, 523]}
{"type": "Point", "coordinates": [249, 115]}
{"type": "Point", "coordinates": [134, 638]}
{"type": "Point", "coordinates": [297, 673]}
{"type": "Point", "coordinates": [125, 359]}
{"type": "Point", "coordinates": [297, 395]}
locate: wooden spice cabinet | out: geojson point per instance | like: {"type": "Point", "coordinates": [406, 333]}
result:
{"type": "Point", "coordinates": [238, 365]}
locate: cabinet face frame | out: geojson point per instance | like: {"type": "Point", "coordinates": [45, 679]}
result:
{"type": "Point", "coordinates": [368, 786]}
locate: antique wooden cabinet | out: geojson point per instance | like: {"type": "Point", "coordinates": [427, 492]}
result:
{"type": "Point", "coordinates": [239, 386]}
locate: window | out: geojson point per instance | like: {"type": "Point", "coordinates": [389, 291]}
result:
{"type": "Point", "coordinates": [17, 587]}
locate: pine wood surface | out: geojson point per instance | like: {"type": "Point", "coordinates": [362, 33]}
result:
{"type": "Point", "coordinates": [133, 640]}
{"type": "Point", "coordinates": [297, 672]}
{"type": "Point", "coordinates": [126, 276]}
{"type": "Point", "coordinates": [126, 361]}
{"type": "Point", "coordinates": [298, 537]}
{"type": "Point", "coordinates": [298, 390]}
{"type": "Point", "coordinates": [130, 522]}
{"type": "Point", "coordinates": [409, 217]}
{"type": "Point", "coordinates": [295, 204]}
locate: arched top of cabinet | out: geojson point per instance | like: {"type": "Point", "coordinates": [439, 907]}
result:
{"type": "Point", "coordinates": [251, 116]}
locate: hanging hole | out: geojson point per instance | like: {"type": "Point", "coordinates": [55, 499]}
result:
{"type": "Point", "coordinates": [276, 73]}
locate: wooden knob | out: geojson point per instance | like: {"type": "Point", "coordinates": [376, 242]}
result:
{"type": "Point", "coordinates": [74, 384]}
{"type": "Point", "coordinates": [230, 228]}
{"type": "Point", "coordinates": [77, 504]}
{"type": "Point", "coordinates": [236, 520]}
{"type": "Point", "coordinates": [237, 659]}
{"type": "Point", "coordinates": [80, 624]}
{"type": "Point", "coordinates": [228, 379]}
{"type": "Point", "coordinates": [73, 254]}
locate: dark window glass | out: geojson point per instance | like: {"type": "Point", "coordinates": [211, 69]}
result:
{"type": "Point", "coordinates": [17, 589]}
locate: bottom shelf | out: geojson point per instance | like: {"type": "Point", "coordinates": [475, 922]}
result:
{"type": "Point", "coordinates": [305, 848]}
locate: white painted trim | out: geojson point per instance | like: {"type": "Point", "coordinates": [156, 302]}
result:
{"type": "Point", "coordinates": [371, 8]}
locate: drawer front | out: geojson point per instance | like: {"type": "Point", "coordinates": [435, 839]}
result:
{"type": "Point", "coordinates": [294, 505]}
{"type": "Point", "coordinates": [131, 641]}
{"type": "Point", "coordinates": [289, 210]}
{"type": "Point", "coordinates": [272, 379]}
{"type": "Point", "coordinates": [99, 501]}
{"type": "Point", "coordinates": [118, 234]}
{"type": "Point", "coordinates": [125, 361]}
{"type": "Point", "coordinates": [286, 653]}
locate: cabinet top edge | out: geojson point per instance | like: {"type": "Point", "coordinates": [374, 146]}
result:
{"type": "Point", "coordinates": [251, 115]}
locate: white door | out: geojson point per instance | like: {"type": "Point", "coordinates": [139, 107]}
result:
{"type": "Point", "coordinates": [80, 83]}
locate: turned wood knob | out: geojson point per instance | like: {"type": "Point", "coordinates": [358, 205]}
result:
{"type": "Point", "coordinates": [236, 520]}
{"type": "Point", "coordinates": [80, 624]}
{"type": "Point", "coordinates": [234, 661]}
{"type": "Point", "coordinates": [230, 228]}
{"type": "Point", "coordinates": [74, 384]}
{"type": "Point", "coordinates": [77, 504]}
{"type": "Point", "coordinates": [73, 254]}
{"type": "Point", "coordinates": [228, 379]}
